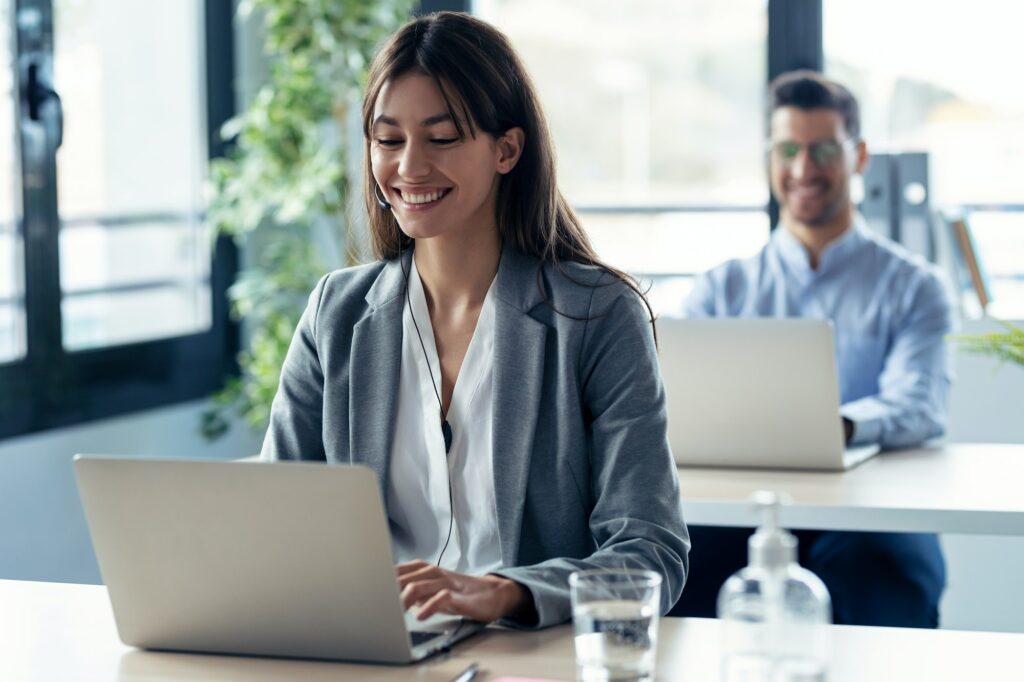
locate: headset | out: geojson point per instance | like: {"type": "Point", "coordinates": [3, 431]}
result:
{"type": "Point", "coordinates": [379, 196]}
{"type": "Point", "coordinates": [446, 427]}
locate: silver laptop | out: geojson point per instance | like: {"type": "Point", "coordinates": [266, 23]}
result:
{"type": "Point", "coordinates": [282, 559]}
{"type": "Point", "coordinates": [758, 393]}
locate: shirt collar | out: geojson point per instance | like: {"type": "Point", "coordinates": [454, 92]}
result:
{"type": "Point", "coordinates": [797, 259]}
{"type": "Point", "coordinates": [515, 283]}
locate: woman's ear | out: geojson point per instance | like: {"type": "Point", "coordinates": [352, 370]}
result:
{"type": "Point", "coordinates": [510, 148]}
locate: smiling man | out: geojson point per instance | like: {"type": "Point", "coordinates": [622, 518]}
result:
{"type": "Point", "coordinates": [890, 314]}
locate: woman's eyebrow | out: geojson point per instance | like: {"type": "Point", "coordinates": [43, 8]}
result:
{"type": "Point", "coordinates": [436, 118]}
{"type": "Point", "coordinates": [427, 122]}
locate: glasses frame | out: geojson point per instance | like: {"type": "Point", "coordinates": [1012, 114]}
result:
{"type": "Point", "coordinates": [813, 149]}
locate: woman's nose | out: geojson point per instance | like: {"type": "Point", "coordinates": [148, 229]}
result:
{"type": "Point", "coordinates": [414, 161]}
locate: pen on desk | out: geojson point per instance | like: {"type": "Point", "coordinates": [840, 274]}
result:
{"type": "Point", "coordinates": [468, 674]}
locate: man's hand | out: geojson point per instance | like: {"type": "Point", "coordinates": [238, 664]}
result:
{"type": "Point", "coordinates": [436, 590]}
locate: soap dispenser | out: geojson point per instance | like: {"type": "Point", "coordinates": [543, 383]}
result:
{"type": "Point", "coordinates": [774, 612]}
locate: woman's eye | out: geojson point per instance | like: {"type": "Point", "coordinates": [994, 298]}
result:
{"type": "Point", "coordinates": [444, 140]}
{"type": "Point", "coordinates": [388, 142]}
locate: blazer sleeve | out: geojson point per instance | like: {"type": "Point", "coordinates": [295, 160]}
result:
{"type": "Point", "coordinates": [636, 520]}
{"type": "Point", "coordinates": [296, 415]}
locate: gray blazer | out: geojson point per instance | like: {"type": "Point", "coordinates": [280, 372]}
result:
{"type": "Point", "coordinates": [583, 474]}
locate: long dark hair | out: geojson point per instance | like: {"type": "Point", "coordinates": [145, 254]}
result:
{"type": "Point", "coordinates": [485, 87]}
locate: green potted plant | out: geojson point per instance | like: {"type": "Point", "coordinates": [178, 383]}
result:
{"type": "Point", "coordinates": [283, 192]}
{"type": "Point", "coordinates": [1007, 346]}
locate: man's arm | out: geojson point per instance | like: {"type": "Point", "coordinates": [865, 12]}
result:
{"type": "Point", "coordinates": [701, 301]}
{"type": "Point", "coordinates": [911, 404]}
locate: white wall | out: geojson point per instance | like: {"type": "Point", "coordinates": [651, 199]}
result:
{"type": "Point", "coordinates": [987, 401]}
{"type": "Point", "coordinates": [986, 406]}
{"type": "Point", "coordinates": [43, 535]}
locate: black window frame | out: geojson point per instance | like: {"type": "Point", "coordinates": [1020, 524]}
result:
{"type": "Point", "coordinates": [50, 387]}
{"type": "Point", "coordinates": [795, 41]}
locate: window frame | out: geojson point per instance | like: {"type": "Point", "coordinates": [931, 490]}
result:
{"type": "Point", "coordinates": [50, 387]}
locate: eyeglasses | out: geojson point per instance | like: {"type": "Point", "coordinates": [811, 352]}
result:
{"type": "Point", "coordinates": [823, 154]}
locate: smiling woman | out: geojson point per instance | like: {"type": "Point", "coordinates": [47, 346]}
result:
{"type": "Point", "coordinates": [501, 381]}
{"type": "Point", "coordinates": [440, 181]}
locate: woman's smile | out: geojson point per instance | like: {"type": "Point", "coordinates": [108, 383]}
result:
{"type": "Point", "coordinates": [421, 198]}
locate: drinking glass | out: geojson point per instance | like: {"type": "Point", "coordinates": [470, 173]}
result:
{"type": "Point", "coordinates": [615, 619]}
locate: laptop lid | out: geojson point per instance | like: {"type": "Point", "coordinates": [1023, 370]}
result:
{"type": "Point", "coordinates": [282, 559]}
{"type": "Point", "coordinates": [752, 393]}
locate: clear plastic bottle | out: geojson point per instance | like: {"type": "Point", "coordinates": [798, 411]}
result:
{"type": "Point", "coordinates": [774, 612]}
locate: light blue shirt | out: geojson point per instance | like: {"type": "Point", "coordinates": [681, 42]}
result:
{"type": "Point", "coordinates": [890, 313]}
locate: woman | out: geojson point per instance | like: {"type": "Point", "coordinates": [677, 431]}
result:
{"type": "Point", "coordinates": [501, 381]}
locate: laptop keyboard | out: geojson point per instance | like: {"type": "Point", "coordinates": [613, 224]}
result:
{"type": "Point", "coordinates": [422, 637]}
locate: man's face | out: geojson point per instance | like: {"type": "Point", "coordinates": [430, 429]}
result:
{"type": "Point", "coordinates": [811, 160]}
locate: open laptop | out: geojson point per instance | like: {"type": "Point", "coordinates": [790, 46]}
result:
{"type": "Point", "coordinates": [759, 393]}
{"type": "Point", "coordinates": [281, 559]}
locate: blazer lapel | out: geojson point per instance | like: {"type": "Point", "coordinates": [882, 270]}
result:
{"type": "Point", "coordinates": [376, 360]}
{"type": "Point", "coordinates": [518, 381]}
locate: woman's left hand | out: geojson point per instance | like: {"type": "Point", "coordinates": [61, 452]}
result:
{"type": "Point", "coordinates": [437, 590]}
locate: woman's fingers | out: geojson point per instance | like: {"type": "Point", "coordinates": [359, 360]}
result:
{"type": "Point", "coordinates": [439, 603]}
{"type": "Point", "coordinates": [410, 566]}
{"type": "Point", "coordinates": [427, 572]}
{"type": "Point", "coordinates": [422, 591]}
{"type": "Point", "coordinates": [436, 590]}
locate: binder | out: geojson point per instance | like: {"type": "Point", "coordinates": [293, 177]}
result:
{"type": "Point", "coordinates": [969, 259]}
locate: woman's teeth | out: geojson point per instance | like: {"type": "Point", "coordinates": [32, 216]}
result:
{"type": "Point", "coordinates": [423, 198]}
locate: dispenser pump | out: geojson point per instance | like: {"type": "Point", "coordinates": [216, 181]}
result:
{"type": "Point", "coordinates": [773, 610]}
{"type": "Point", "coordinates": [771, 546]}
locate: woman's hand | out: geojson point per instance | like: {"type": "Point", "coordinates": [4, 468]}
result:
{"type": "Point", "coordinates": [436, 590]}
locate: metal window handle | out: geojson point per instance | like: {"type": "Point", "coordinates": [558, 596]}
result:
{"type": "Point", "coordinates": [40, 95]}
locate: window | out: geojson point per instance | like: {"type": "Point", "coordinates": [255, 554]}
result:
{"type": "Point", "coordinates": [930, 83]}
{"type": "Point", "coordinates": [12, 317]}
{"type": "Point", "coordinates": [655, 109]}
{"type": "Point", "coordinates": [135, 262]}
{"type": "Point", "coordinates": [111, 290]}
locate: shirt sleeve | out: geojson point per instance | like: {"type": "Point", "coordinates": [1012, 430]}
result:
{"type": "Point", "coordinates": [636, 520]}
{"type": "Point", "coordinates": [912, 400]}
{"type": "Point", "coordinates": [296, 414]}
{"type": "Point", "coordinates": [701, 301]}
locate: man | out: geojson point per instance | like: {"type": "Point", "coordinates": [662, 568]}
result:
{"type": "Point", "coordinates": [890, 314]}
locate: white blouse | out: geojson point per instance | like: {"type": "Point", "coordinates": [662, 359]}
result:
{"type": "Point", "coordinates": [418, 493]}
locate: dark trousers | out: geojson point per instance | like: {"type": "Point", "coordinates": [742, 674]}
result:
{"type": "Point", "coordinates": [893, 579]}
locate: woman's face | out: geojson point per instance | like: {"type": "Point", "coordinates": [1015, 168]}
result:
{"type": "Point", "coordinates": [436, 182]}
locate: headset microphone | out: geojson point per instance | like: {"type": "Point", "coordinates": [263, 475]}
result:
{"type": "Point", "coordinates": [379, 196]}
{"type": "Point", "coordinates": [446, 428]}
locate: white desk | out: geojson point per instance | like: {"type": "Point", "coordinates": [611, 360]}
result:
{"type": "Point", "coordinates": [959, 488]}
{"type": "Point", "coordinates": [52, 631]}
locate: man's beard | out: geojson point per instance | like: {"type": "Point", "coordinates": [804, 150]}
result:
{"type": "Point", "coordinates": [827, 214]}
